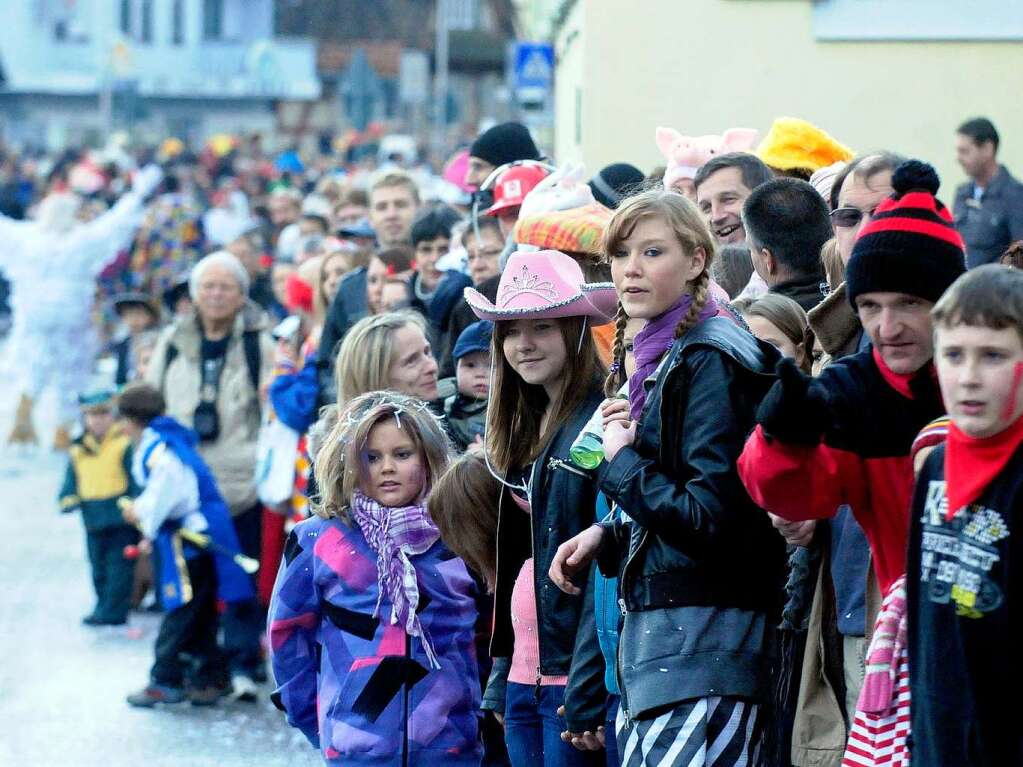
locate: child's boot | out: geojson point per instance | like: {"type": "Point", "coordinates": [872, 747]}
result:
{"type": "Point", "coordinates": [153, 693]}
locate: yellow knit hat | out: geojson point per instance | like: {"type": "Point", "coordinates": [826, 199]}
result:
{"type": "Point", "coordinates": [793, 143]}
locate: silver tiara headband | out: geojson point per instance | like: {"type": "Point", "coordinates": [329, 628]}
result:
{"type": "Point", "coordinates": [397, 404]}
{"type": "Point", "coordinates": [528, 283]}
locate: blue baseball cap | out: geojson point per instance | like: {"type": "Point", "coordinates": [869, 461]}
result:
{"type": "Point", "coordinates": [475, 338]}
{"type": "Point", "coordinates": [103, 396]}
{"type": "Point", "coordinates": [360, 228]}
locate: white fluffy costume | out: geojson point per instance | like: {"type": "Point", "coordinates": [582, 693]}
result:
{"type": "Point", "coordinates": [52, 264]}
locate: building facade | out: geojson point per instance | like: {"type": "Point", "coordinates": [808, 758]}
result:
{"type": "Point", "coordinates": [72, 69]}
{"type": "Point", "coordinates": [873, 73]}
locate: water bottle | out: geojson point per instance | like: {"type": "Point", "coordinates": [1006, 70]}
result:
{"type": "Point", "coordinates": [587, 450]}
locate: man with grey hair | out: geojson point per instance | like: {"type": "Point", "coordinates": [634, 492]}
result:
{"type": "Point", "coordinates": [211, 368]}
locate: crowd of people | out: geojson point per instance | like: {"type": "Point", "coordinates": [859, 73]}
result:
{"type": "Point", "coordinates": [512, 464]}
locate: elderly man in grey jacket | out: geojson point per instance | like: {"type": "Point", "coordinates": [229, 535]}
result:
{"type": "Point", "coordinates": [211, 368]}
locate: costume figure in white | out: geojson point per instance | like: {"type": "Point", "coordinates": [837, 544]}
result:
{"type": "Point", "coordinates": [52, 264]}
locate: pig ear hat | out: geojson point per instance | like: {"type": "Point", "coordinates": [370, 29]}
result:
{"type": "Point", "coordinates": [685, 155]}
{"type": "Point", "coordinates": [545, 284]}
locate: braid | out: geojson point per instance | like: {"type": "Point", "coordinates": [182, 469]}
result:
{"type": "Point", "coordinates": [701, 292]}
{"type": "Point", "coordinates": [616, 376]}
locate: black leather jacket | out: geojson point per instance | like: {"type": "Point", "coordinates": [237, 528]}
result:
{"type": "Point", "coordinates": [563, 504]}
{"type": "Point", "coordinates": [696, 538]}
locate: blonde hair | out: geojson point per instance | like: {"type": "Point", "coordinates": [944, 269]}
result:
{"type": "Point", "coordinates": [786, 315]}
{"type": "Point", "coordinates": [395, 178]}
{"type": "Point", "coordinates": [689, 228]}
{"type": "Point", "coordinates": [367, 352]}
{"type": "Point", "coordinates": [831, 260]}
{"type": "Point", "coordinates": [321, 301]}
{"type": "Point", "coordinates": [341, 459]}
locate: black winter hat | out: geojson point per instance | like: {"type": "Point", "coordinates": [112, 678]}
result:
{"type": "Point", "coordinates": [615, 182]}
{"type": "Point", "coordinates": [503, 143]}
{"type": "Point", "coordinates": [910, 245]}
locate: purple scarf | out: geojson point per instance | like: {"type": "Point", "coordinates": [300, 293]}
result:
{"type": "Point", "coordinates": [395, 534]}
{"type": "Point", "coordinates": [651, 344]}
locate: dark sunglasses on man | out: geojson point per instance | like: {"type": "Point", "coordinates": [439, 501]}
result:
{"type": "Point", "coordinates": [849, 216]}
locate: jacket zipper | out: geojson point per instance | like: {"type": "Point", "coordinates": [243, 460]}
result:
{"type": "Point", "coordinates": [552, 464]}
{"type": "Point", "coordinates": [557, 463]}
{"type": "Point", "coordinates": [624, 704]}
{"type": "Point", "coordinates": [408, 723]}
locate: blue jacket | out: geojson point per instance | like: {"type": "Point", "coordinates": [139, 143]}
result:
{"type": "Point", "coordinates": [293, 396]}
{"type": "Point", "coordinates": [605, 601]}
{"type": "Point", "coordinates": [233, 584]}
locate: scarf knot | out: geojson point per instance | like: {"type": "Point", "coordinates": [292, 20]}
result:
{"type": "Point", "coordinates": [395, 535]}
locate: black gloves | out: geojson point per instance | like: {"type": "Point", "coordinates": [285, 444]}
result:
{"type": "Point", "coordinates": [793, 411]}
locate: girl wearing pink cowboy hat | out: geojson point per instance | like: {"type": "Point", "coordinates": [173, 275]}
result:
{"type": "Point", "coordinates": [545, 385]}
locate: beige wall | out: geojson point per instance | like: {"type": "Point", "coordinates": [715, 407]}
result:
{"type": "Point", "coordinates": [702, 66]}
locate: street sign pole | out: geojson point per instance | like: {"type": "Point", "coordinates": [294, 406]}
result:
{"type": "Point", "coordinates": [440, 82]}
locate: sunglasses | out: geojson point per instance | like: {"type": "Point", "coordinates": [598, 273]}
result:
{"type": "Point", "coordinates": [849, 217]}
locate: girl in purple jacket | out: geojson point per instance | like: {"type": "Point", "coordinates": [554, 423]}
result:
{"type": "Point", "coordinates": [371, 621]}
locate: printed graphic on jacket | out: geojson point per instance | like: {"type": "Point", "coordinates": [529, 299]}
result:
{"type": "Point", "coordinates": [957, 557]}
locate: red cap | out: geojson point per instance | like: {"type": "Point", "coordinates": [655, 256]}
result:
{"type": "Point", "coordinates": [513, 185]}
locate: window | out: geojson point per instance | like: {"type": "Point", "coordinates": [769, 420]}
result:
{"type": "Point", "coordinates": [213, 19]}
{"type": "Point", "coordinates": [178, 23]}
{"type": "Point", "coordinates": [917, 20]}
{"type": "Point", "coordinates": [69, 20]}
{"type": "Point", "coordinates": [125, 24]}
{"type": "Point", "coordinates": [146, 33]}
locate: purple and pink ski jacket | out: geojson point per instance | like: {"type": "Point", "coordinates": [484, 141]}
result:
{"type": "Point", "coordinates": [358, 687]}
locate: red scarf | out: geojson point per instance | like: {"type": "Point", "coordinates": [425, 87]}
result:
{"type": "Point", "coordinates": [972, 463]}
{"type": "Point", "coordinates": [901, 381]}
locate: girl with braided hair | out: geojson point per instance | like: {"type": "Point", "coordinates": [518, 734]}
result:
{"type": "Point", "coordinates": [700, 574]}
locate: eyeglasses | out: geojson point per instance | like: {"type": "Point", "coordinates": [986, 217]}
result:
{"type": "Point", "coordinates": [849, 217]}
{"type": "Point", "coordinates": [484, 255]}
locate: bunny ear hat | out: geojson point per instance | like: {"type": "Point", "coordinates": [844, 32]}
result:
{"type": "Point", "coordinates": [564, 189]}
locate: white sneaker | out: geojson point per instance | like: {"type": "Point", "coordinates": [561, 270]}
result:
{"type": "Point", "coordinates": [244, 688]}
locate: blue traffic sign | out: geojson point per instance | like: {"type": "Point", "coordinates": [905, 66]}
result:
{"type": "Point", "coordinates": [534, 65]}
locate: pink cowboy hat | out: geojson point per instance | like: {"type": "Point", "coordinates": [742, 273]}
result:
{"type": "Point", "coordinates": [545, 284]}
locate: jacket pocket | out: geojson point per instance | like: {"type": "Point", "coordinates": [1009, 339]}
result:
{"type": "Point", "coordinates": [366, 716]}
{"type": "Point", "coordinates": [649, 635]}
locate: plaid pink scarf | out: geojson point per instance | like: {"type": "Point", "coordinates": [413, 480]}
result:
{"type": "Point", "coordinates": [395, 534]}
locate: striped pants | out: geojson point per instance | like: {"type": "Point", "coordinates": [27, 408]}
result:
{"type": "Point", "coordinates": [709, 732]}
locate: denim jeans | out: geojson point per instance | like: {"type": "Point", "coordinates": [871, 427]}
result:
{"type": "Point", "coordinates": [532, 729]}
{"type": "Point", "coordinates": [610, 741]}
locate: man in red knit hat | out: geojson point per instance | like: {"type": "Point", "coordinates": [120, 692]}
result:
{"type": "Point", "coordinates": [845, 437]}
